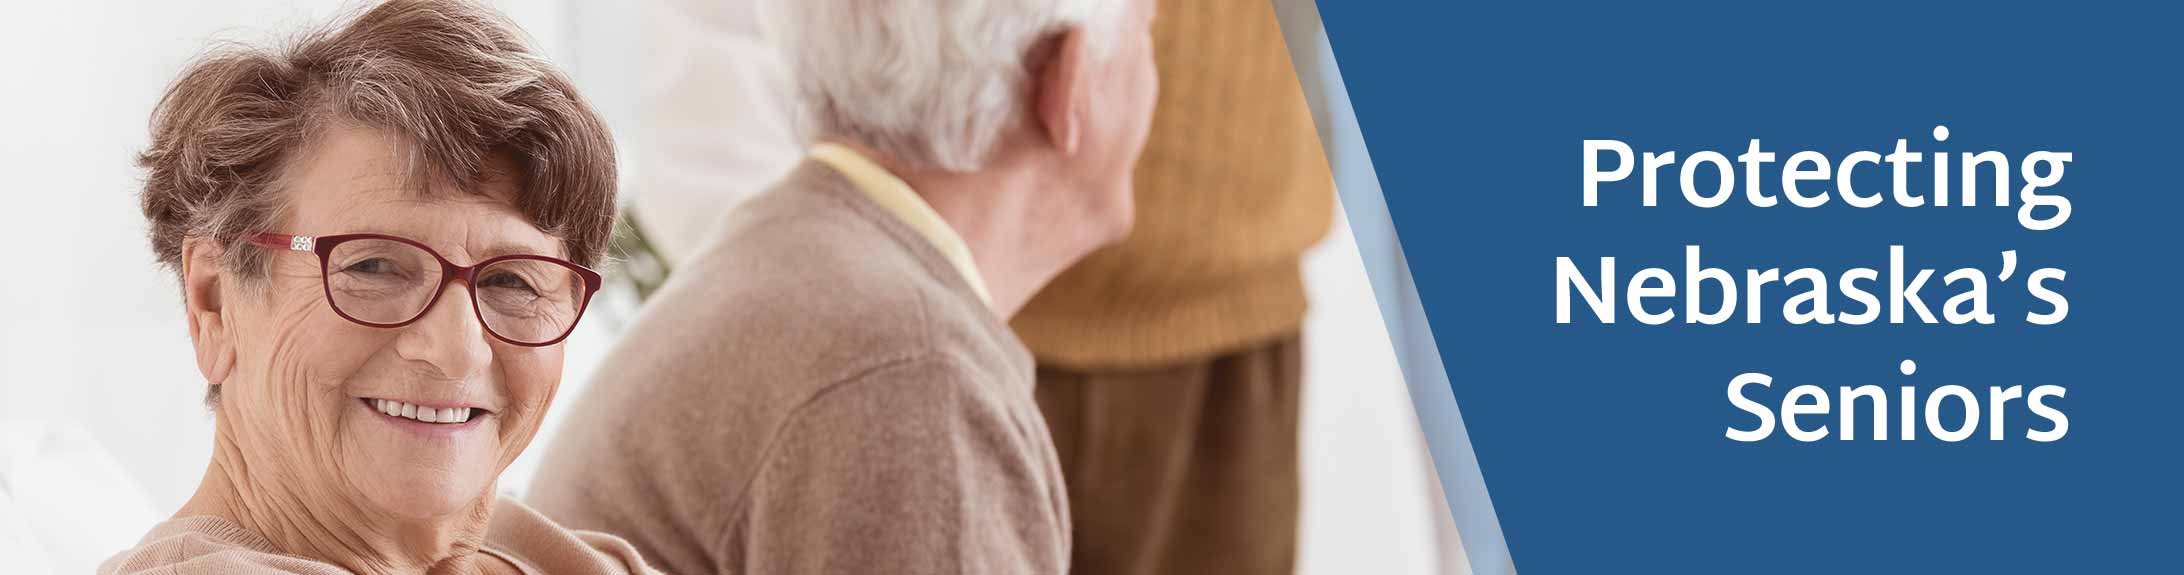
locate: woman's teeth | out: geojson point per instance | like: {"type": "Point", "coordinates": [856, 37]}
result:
{"type": "Point", "coordinates": [424, 414]}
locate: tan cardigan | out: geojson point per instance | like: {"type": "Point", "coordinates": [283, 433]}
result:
{"type": "Point", "coordinates": [1231, 189]}
{"type": "Point", "coordinates": [819, 391]}
{"type": "Point", "coordinates": [214, 546]}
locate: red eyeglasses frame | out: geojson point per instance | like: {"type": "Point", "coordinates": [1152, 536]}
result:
{"type": "Point", "coordinates": [323, 246]}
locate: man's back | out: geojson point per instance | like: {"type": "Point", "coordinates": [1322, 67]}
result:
{"type": "Point", "coordinates": [818, 391]}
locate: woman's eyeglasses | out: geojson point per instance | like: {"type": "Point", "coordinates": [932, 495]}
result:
{"type": "Point", "coordinates": [388, 281]}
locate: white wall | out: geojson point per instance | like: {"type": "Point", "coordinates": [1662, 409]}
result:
{"type": "Point", "coordinates": [1369, 501]}
{"type": "Point", "coordinates": [95, 336]}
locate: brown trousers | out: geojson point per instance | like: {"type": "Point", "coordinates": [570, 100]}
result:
{"type": "Point", "coordinates": [1184, 469]}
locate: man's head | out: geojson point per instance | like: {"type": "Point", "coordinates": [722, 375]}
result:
{"type": "Point", "coordinates": [1063, 88]}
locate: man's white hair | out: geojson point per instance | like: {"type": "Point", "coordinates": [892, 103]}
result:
{"type": "Point", "coordinates": [930, 83]}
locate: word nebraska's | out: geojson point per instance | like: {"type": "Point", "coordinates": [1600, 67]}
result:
{"type": "Point", "coordinates": [1811, 293]}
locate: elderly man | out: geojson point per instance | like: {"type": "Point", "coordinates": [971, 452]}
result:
{"type": "Point", "coordinates": [831, 386]}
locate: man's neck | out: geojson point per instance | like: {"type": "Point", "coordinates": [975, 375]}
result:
{"type": "Point", "coordinates": [1021, 230]}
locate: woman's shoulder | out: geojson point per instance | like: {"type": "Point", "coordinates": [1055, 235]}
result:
{"type": "Point", "coordinates": [535, 544]}
{"type": "Point", "coordinates": [519, 535]}
{"type": "Point", "coordinates": [191, 545]}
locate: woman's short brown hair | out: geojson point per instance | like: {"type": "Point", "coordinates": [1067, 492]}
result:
{"type": "Point", "coordinates": [455, 82]}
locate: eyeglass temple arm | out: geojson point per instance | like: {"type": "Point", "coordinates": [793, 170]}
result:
{"type": "Point", "coordinates": [284, 242]}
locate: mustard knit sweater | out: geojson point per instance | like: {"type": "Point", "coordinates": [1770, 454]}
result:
{"type": "Point", "coordinates": [1231, 189]}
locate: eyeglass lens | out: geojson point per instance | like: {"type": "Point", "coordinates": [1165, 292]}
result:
{"type": "Point", "coordinates": [389, 282]}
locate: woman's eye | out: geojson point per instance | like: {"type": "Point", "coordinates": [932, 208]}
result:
{"type": "Point", "coordinates": [507, 281]}
{"type": "Point", "coordinates": [374, 266]}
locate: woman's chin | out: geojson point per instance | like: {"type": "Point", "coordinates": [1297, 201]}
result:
{"type": "Point", "coordinates": [414, 490]}
{"type": "Point", "coordinates": [423, 477]}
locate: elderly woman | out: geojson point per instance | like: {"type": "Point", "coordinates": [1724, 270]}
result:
{"type": "Point", "coordinates": [383, 232]}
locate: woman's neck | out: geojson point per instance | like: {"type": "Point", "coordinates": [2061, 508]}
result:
{"type": "Point", "coordinates": [304, 518]}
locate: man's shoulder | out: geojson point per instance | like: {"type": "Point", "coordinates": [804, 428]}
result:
{"type": "Point", "coordinates": [802, 278]}
{"type": "Point", "coordinates": [802, 287]}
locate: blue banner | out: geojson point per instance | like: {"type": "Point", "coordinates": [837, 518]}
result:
{"type": "Point", "coordinates": [1737, 288]}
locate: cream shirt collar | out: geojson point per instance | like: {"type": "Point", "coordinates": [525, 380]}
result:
{"type": "Point", "coordinates": [895, 196]}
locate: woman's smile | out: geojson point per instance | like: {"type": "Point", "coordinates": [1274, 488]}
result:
{"type": "Point", "coordinates": [438, 420]}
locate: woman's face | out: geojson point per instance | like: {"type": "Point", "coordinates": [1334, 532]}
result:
{"type": "Point", "coordinates": [302, 399]}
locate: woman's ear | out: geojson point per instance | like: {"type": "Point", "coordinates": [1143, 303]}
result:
{"type": "Point", "coordinates": [203, 302]}
{"type": "Point", "coordinates": [1062, 92]}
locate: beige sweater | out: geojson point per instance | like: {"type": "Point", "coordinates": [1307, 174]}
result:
{"type": "Point", "coordinates": [214, 546]}
{"type": "Point", "coordinates": [819, 391]}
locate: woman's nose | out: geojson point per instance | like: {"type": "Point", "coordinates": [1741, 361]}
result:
{"type": "Point", "coordinates": [448, 337]}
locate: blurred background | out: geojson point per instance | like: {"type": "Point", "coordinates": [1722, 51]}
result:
{"type": "Point", "coordinates": [102, 427]}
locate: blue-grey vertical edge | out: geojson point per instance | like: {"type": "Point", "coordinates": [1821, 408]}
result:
{"type": "Point", "coordinates": [1397, 296]}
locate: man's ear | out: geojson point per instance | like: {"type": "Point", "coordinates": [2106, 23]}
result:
{"type": "Point", "coordinates": [203, 302]}
{"type": "Point", "coordinates": [1063, 90]}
